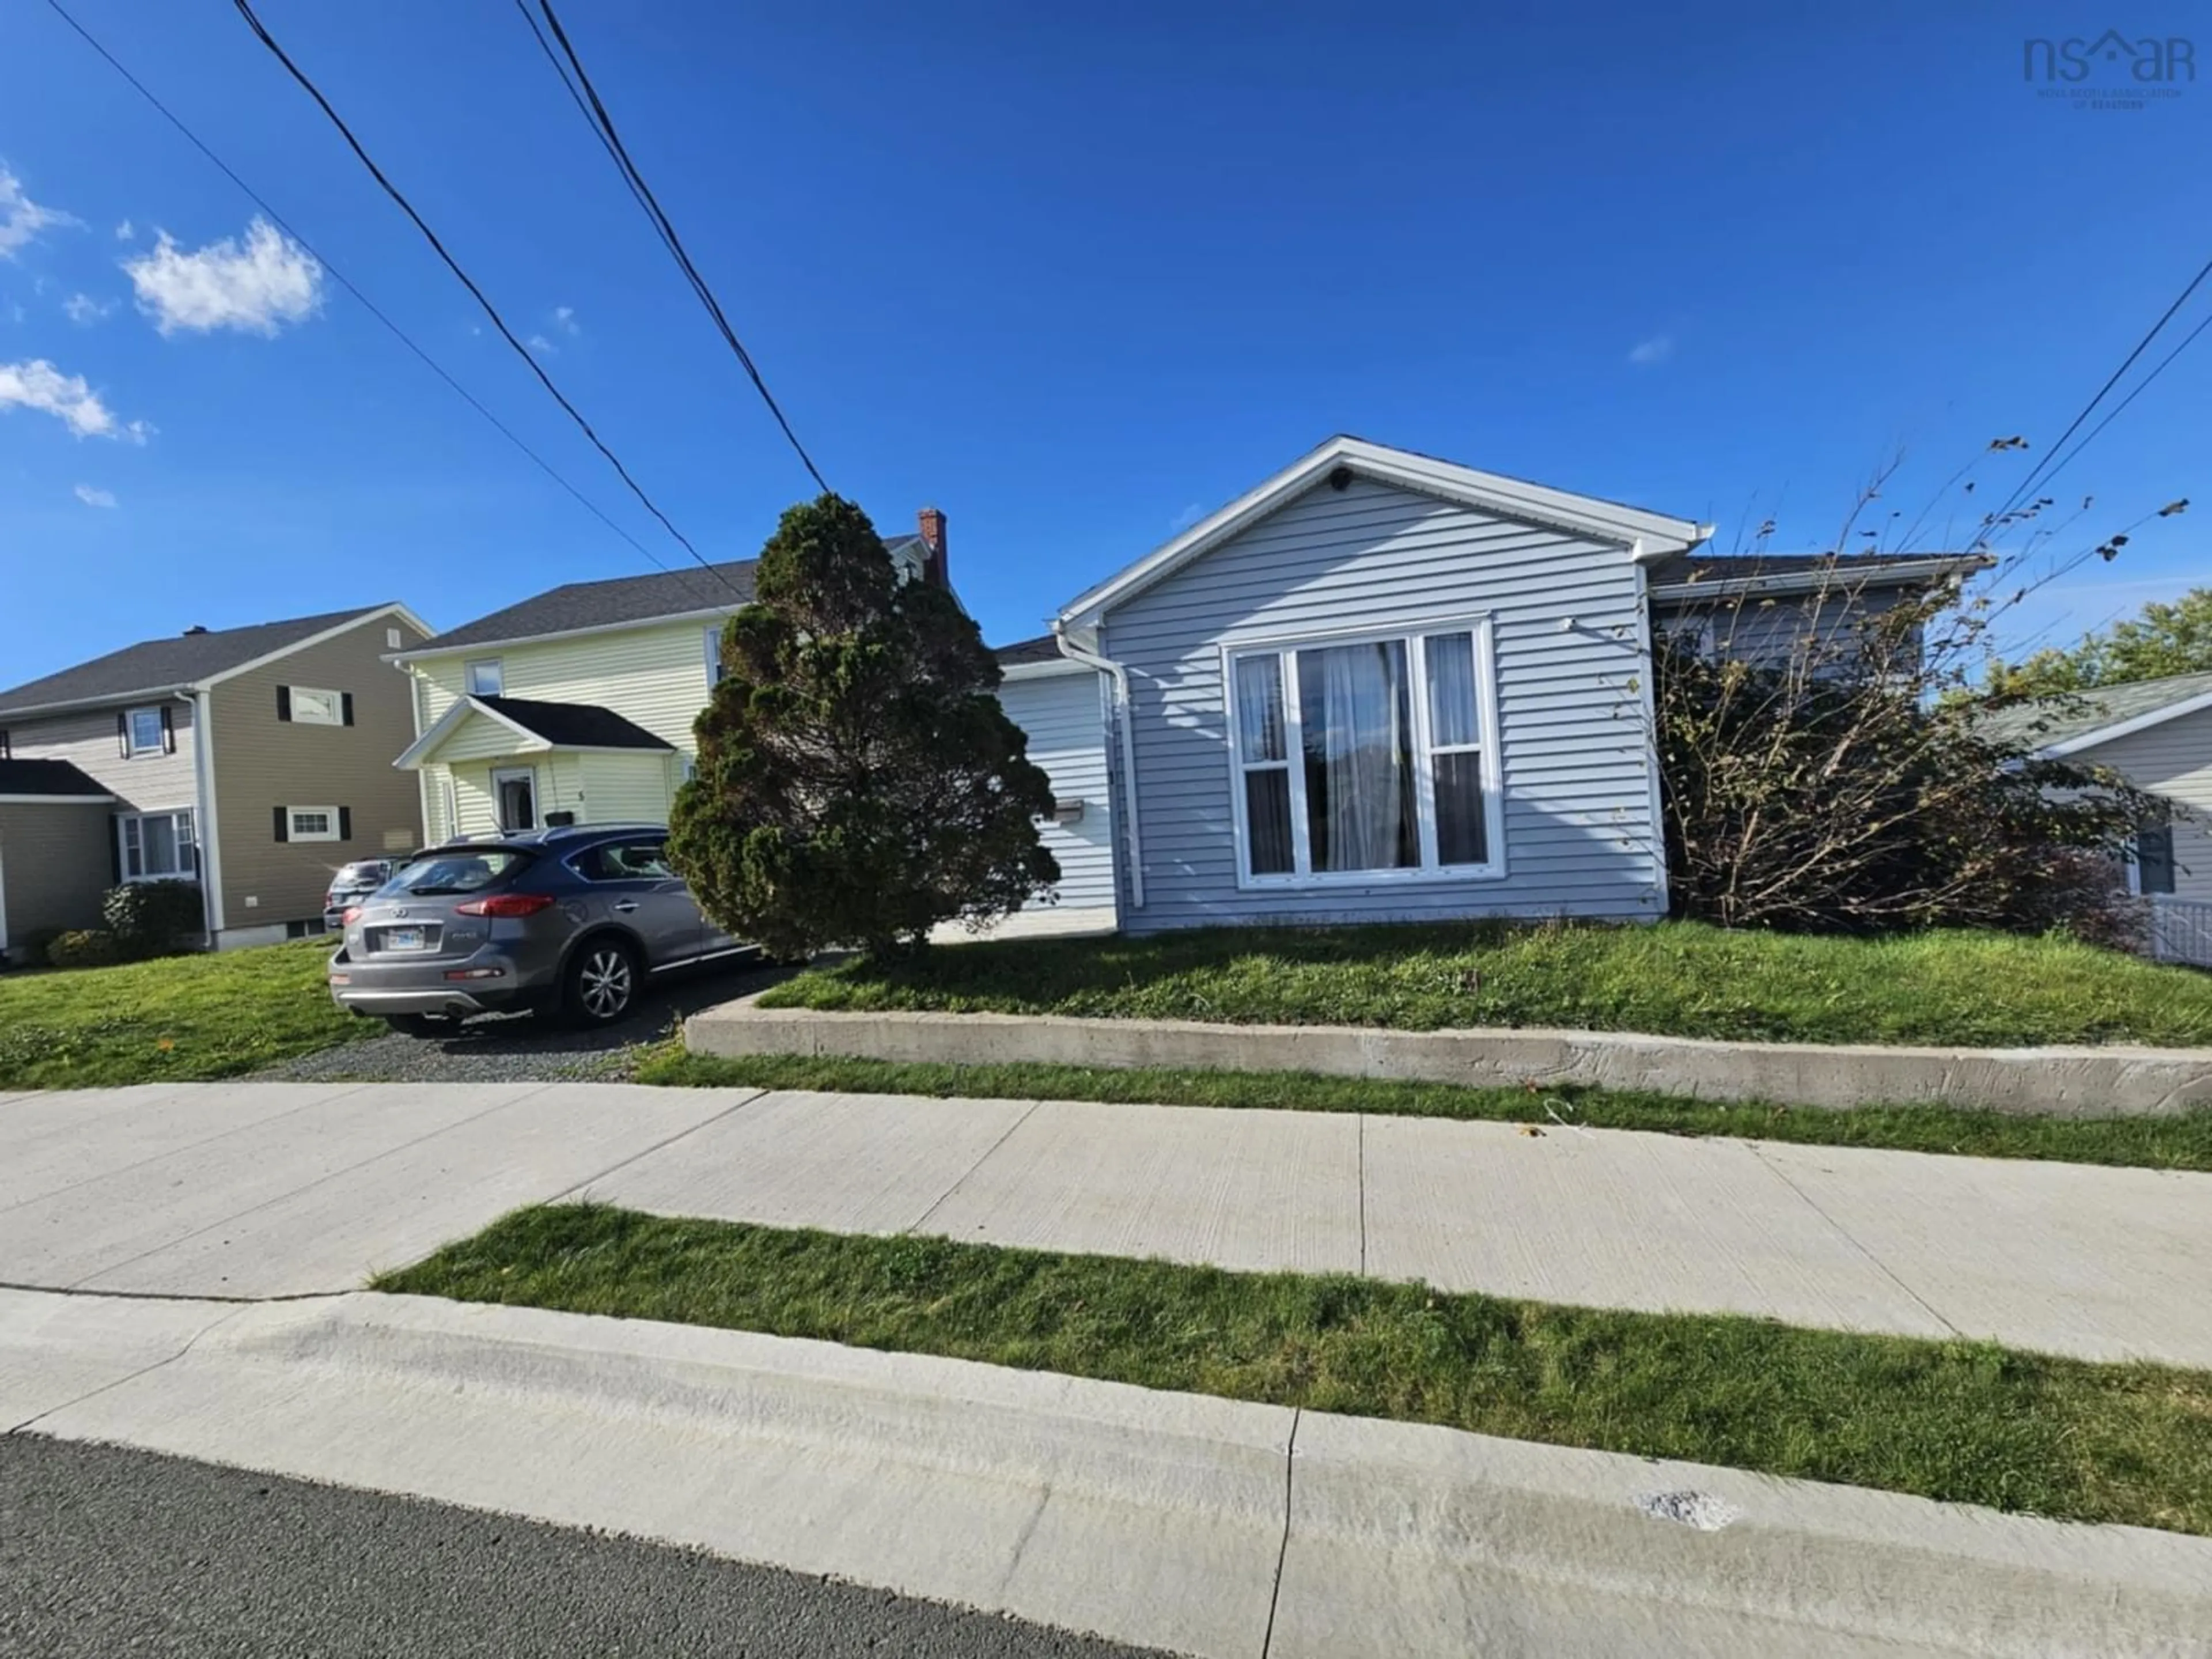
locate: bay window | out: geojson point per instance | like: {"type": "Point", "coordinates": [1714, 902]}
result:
{"type": "Point", "coordinates": [158, 846]}
{"type": "Point", "coordinates": [1366, 758]}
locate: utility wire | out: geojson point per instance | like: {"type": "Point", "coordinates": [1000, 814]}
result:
{"type": "Point", "coordinates": [261, 32]}
{"type": "Point", "coordinates": [2141, 386]}
{"type": "Point", "coordinates": [603, 127]}
{"type": "Point", "coordinates": [348, 284]}
{"type": "Point", "coordinates": [2035, 474]}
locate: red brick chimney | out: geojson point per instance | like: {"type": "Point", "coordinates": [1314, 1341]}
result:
{"type": "Point", "coordinates": [931, 523]}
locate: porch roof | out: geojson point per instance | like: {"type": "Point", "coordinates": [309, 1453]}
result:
{"type": "Point", "coordinates": [536, 727]}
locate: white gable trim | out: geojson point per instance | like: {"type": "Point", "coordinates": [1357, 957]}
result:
{"type": "Point", "coordinates": [1057, 669]}
{"type": "Point", "coordinates": [2173, 711]}
{"type": "Point", "coordinates": [418, 753]}
{"type": "Point", "coordinates": [431, 651]}
{"type": "Point", "coordinates": [1650, 536]}
{"type": "Point", "coordinates": [346, 627]}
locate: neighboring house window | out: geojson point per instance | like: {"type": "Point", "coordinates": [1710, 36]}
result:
{"type": "Point", "coordinates": [714, 657]}
{"type": "Point", "coordinates": [314, 824]}
{"type": "Point", "coordinates": [392, 639]}
{"type": "Point", "coordinates": [1691, 635]}
{"type": "Point", "coordinates": [1365, 759]}
{"type": "Point", "coordinates": [158, 846]}
{"type": "Point", "coordinates": [7, 749]}
{"type": "Point", "coordinates": [486, 678]}
{"type": "Point", "coordinates": [2155, 859]}
{"type": "Point", "coordinates": [144, 731]}
{"type": "Point", "coordinates": [306, 706]}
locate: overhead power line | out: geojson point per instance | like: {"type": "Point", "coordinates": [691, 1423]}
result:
{"type": "Point", "coordinates": [529, 358]}
{"type": "Point", "coordinates": [2136, 391]}
{"type": "Point", "coordinates": [349, 285]}
{"type": "Point", "coordinates": [586, 99]}
{"type": "Point", "coordinates": [2038, 475]}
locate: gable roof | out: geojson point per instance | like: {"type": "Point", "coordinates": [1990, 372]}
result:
{"type": "Point", "coordinates": [48, 779]}
{"type": "Point", "coordinates": [617, 602]}
{"type": "Point", "coordinates": [181, 661]}
{"type": "Point", "coordinates": [2065, 725]}
{"type": "Point", "coordinates": [1045, 647]}
{"type": "Point", "coordinates": [1653, 536]}
{"type": "Point", "coordinates": [539, 726]}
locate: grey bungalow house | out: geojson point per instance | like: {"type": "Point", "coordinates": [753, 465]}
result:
{"type": "Point", "coordinates": [1384, 687]}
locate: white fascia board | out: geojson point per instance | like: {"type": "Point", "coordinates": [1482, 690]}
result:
{"type": "Point", "coordinates": [110, 700]}
{"type": "Point", "coordinates": [2173, 711]}
{"type": "Point", "coordinates": [430, 650]}
{"type": "Point", "coordinates": [53, 800]}
{"type": "Point", "coordinates": [419, 752]}
{"type": "Point", "coordinates": [1650, 535]}
{"type": "Point", "coordinates": [1042, 670]}
{"type": "Point", "coordinates": [328, 634]}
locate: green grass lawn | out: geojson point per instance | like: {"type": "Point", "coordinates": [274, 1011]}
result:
{"type": "Point", "coordinates": [1963, 1422]}
{"type": "Point", "coordinates": [174, 1019]}
{"type": "Point", "coordinates": [2153, 1143]}
{"type": "Point", "coordinates": [1681, 979]}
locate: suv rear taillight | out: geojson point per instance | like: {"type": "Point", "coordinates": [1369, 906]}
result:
{"type": "Point", "coordinates": [351, 916]}
{"type": "Point", "coordinates": [505, 904]}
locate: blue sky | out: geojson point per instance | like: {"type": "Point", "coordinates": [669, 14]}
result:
{"type": "Point", "coordinates": [1075, 276]}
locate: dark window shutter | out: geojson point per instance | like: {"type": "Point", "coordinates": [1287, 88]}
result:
{"type": "Point", "coordinates": [169, 731]}
{"type": "Point", "coordinates": [2154, 858]}
{"type": "Point", "coordinates": [345, 704]}
{"type": "Point", "coordinates": [346, 823]}
{"type": "Point", "coordinates": [283, 702]}
{"type": "Point", "coordinates": [122, 733]}
{"type": "Point", "coordinates": [283, 824]}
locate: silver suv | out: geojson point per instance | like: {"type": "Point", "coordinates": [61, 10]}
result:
{"type": "Point", "coordinates": [570, 919]}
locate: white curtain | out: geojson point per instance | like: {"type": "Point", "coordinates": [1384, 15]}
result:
{"type": "Point", "coordinates": [1365, 755]}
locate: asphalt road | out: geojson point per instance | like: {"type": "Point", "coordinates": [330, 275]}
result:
{"type": "Point", "coordinates": [104, 1551]}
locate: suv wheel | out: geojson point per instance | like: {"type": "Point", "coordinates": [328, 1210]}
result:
{"type": "Point", "coordinates": [602, 983]}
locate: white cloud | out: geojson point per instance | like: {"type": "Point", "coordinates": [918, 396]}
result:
{"type": "Point", "coordinates": [127, 232]}
{"type": "Point", "coordinates": [39, 385]}
{"type": "Point", "coordinates": [255, 288]}
{"type": "Point", "coordinates": [1183, 521]}
{"type": "Point", "coordinates": [564, 318]}
{"type": "Point", "coordinates": [21, 219]}
{"type": "Point", "coordinates": [84, 310]}
{"type": "Point", "coordinates": [92, 497]}
{"type": "Point", "coordinates": [1648, 354]}
{"type": "Point", "coordinates": [542, 346]}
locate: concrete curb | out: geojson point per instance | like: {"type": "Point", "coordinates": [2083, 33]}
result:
{"type": "Point", "coordinates": [2055, 1082]}
{"type": "Point", "coordinates": [1156, 1518]}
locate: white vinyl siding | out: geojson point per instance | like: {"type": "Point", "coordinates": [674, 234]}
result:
{"type": "Point", "coordinates": [1578, 836]}
{"type": "Point", "coordinates": [654, 675]}
{"type": "Point", "coordinates": [1062, 717]}
{"type": "Point", "coordinates": [86, 740]}
{"type": "Point", "coordinates": [2172, 759]}
{"type": "Point", "coordinates": [634, 789]}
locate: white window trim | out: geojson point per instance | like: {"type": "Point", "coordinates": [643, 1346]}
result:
{"type": "Point", "coordinates": [498, 666]}
{"type": "Point", "coordinates": [160, 746]}
{"type": "Point", "coordinates": [336, 716]}
{"type": "Point", "coordinates": [1414, 636]}
{"type": "Point", "coordinates": [711, 641]}
{"type": "Point", "coordinates": [189, 838]}
{"type": "Point", "coordinates": [501, 774]}
{"type": "Point", "coordinates": [293, 832]}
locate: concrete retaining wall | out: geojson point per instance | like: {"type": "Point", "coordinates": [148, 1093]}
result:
{"type": "Point", "coordinates": [2079, 1082]}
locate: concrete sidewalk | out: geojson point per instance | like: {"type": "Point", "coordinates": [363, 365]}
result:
{"type": "Point", "coordinates": [1199, 1525]}
{"type": "Point", "coordinates": [260, 1190]}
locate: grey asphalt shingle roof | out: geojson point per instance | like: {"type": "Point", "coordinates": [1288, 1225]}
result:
{"type": "Point", "coordinates": [165, 664]}
{"type": "Point", "coordinates": [46, 777]}
{"type": "Point", "coordinates": [573, 724]}
{"type": "Point", "coordinates": [618, 599]}
{"type": "Point", "coordinates": [1043, 648]}
{"type": "Point", "coordinates": [2045, 720]}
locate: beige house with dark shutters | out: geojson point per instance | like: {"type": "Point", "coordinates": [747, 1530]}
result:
{"type": "Point", "coordinates": [255, 761]}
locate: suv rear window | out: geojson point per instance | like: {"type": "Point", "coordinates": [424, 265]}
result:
{"type": "Point", "coordinates": [458, 870]}
{"type": "Point", "coordinates": [352, 875]}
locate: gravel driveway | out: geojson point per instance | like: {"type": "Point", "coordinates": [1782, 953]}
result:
{"type": "Point", "coordinates": [522, 1048]}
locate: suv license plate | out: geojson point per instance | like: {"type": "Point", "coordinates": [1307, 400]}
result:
{"type": "Point", "coordinates": [403, 939]}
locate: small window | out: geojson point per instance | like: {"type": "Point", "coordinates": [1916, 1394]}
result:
{"type": "Point", "coordinates": [392, 639]}
{"type": "Point", "coordinates": [147, 735]}
{"type": "Point", "coordinates": [158, 846]}
{"type": "Point", "coordinates": [2155, 859]}
{"type": "Point", "coordinates": [312, 822]}
{"type": "Point", "coordinates": [486, 678]}
{"type": "Point", "coordinates": [313, 708]}
{"type": "Point", "coordinates": [714, 656]}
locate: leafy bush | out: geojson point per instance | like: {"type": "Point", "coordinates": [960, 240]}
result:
{"type": "Point", "coordinates": [86, 948]}
{"type": "Point", "coordinates": [154, 917]}
{"type": "Point", "coordinates": [858, 782]}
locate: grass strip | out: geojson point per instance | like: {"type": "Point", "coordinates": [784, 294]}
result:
{"type": "Point", "coordinates": [1962, 1422]}
{"type": "Point", "coordinates": [175, 1020]}
{"type": "Point", "coordinates": [2150, 1143]}
{"type": "Point", "coordinates": [1678, 979]}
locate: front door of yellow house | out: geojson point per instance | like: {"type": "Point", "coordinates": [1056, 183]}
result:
{"type": "Point", "coordinates": [514, 791]}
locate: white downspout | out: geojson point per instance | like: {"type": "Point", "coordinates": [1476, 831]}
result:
{"type": "Point", "coordinates": [1119, 676]}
